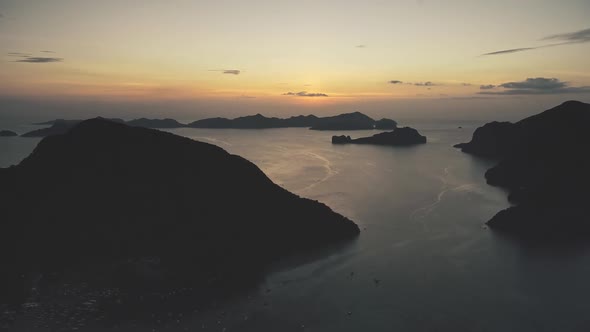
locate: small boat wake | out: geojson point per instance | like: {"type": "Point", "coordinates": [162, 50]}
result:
{"type": "Point", "coordinates": [424, 211]}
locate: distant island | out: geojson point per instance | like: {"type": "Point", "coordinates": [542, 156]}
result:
{"type": "Point", "coordinates": [398, 137]}
{"type": "Point", "coordinates": [155, 123]}
{"type": "Point", "coordinates": [107, 201]}
{"type": "Point", "coordinates": [347, 121]}
{"type": "Point", "coordinates": [7, 133]}
{"type": "Point", "coordinates": [544, 163]}
{"type": "Point", "coordinates": [61, 126]}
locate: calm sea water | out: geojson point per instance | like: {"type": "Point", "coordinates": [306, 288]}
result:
{"type": "Point", "coordinates": [424, 260]}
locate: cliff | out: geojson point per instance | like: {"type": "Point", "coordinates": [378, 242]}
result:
{"type": "Point", "coordinates": [544, 163]}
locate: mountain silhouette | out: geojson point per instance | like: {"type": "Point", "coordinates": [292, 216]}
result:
{"type": "Point", "coordinates": [111, 195]}
{"type": "Point", "coordinates": [544, 163]}
{"type": "Point", "coordinates": [347, 121]}
{"type": "Point", "coordinates": [398, 137]}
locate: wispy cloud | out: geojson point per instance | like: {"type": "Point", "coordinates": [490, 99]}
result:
{"type": "Point", "coordinates": [486, 87]}
{"type": "Point", "coordinates": [539, 83]}
{"type": "Point", "coordinates": [46, 51]}
{"type": "Point", "coordinates": [534, 86]}
{"type": "Point", "coordinates": [305, 94]}
{"type": "Point", "coordinates": [361, 46]}
{"type": "Point", "coordinates": [428, 83]}
{"type": "Point", "coordinates": [18, 54]}
{"type": "Point", "coordinates": [227, 71]}
{"type": "Point", "coordinates": [576, 37]}
{"type": "Point", "coordinates": [581, 36]}
{"type": "Point", "coordinates": [29, 58]}
{"type": "Point", "coordinates": [39, 60]}
{"type": "Point", "coordinates": [512, 50]}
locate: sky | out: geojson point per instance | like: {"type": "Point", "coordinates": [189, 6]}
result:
{"type": "Point", "coordinates": [191, 59]}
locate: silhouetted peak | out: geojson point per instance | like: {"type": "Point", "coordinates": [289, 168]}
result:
{"type": "Point", "coordinates": [7, 133]}
{"type": "Point", "coordinates": [544, 164]}
{"type": "Point", "coordinates": [572, 103]}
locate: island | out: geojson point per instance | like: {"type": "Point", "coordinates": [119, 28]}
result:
{"type": "Point", "coordinates": [155, 123]}
{"type": "Point", "coordinates": [257, 121]}
{"type": "Point", "coordinates": [142, 210]}
{"type": "Point", "coordinates": [72, 122]}
{"type": "Point", "coordinates": [347, 121]}
{"type": "Point", "coordinates": [543, 161]}
{"type": "Point", "coordinates": [398, 137]}
{"type": "Point", "coordinates": [57, 127]}
{"type": "Point", "coordinates": [7, 133]}
{"type": "Point", "coordinates": [385, 124]}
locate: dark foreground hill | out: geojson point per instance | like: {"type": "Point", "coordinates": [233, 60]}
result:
{"type": "Point", "coordinates": [545, 164]}
{"type": "Point", "coordinates": [398, 137]}
{"type": "Point", "coordinates": [153, 209]}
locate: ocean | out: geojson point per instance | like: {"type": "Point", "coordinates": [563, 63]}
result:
{"type": "Point", "coordinates": [424, 260]}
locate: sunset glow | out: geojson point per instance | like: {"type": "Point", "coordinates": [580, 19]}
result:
{"type": "Point", "coordinates": [337, 53]}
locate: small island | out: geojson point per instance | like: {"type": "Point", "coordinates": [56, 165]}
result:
{"type": "Point", "coordinates": [7, 133]}
{"type": "Point", "coordinates": [544, 163]}
{"type": "Point", "coordinates": [398, 137]}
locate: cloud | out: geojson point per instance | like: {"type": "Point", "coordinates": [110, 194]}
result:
{"type": "Point", "coordinates": [18, 54]}
{"type": "Point", "coordinates": [535, 86]}
{"type": "Point", "coordinates": [361, 46]}
{"type": "Point", "coordinates": [39, 60]}
{"type": "Point", "coordinates": [576, 37]}
{"type": "Point", "coordinates": [228, 71]}
{"type": "Point", "coordinates": [305, 94]}
{"type": "Point", "coordinates": [512, 50]}
{"type": "Point", "coordinates": [45, 51]}
{"type": "Point", "coordinates": [29, 58]}
{"type": "Point", "coordinates": [539, 83]}
{"type": "Point", "coordinates": [424, 84]}
{"type": "Point", "coordinates": [581, 36]}
{"type": "Point", "coordinates": [395, 82]}
{"type": "Point", "coordinates": [466, 84]}
{"type": "Point", "coordinates": [486, 87]}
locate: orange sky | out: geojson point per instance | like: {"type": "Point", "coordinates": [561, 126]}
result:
{"type": "Point", "coordinates": [324, 53]}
